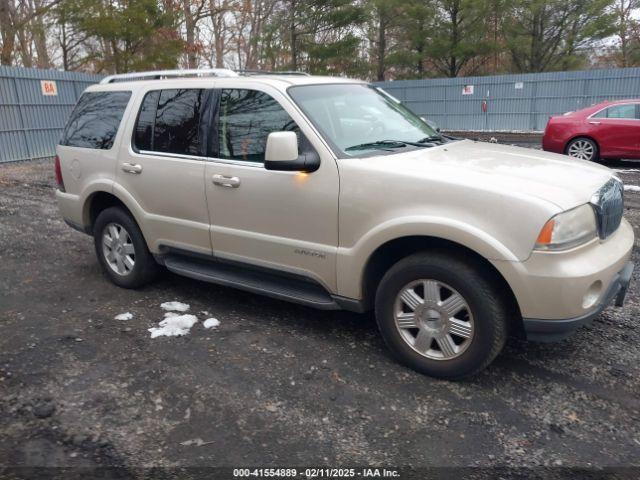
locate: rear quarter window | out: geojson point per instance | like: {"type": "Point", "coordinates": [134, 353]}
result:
{"type": "Point", "coordinates": [95, 120]}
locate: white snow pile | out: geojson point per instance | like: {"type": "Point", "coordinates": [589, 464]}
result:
{"type": "Point", "coordinates": [211, 323]}
{"type": "Point", "coordinates": [175, 306]}
{"type": "Point", "coordinates": [124, 316]}
{"type": "Point", "coordinates": [631, 188]}
{"type": "Point", "coordinates": [174, 326]}
{"type": "Point", "coordinates": [177, 323]}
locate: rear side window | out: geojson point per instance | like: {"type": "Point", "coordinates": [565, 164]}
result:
{"type": "Point", "coordinates": [619, 111]}
{"type": "Point", "coordinates": [146, 119]}
{"type": "Point", "coordinates": [246, 118]}
{"type": "Point", "coordinates": [95, 120]}
{"type": "Point", "coordinates": [169, 121]}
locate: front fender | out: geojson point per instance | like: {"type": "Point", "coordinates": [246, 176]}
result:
{"type": "Point", "coordinates": [352, 261]}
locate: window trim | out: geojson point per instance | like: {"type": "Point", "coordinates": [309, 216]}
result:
{"type": "Point", "coordinates": [593, 115]}
{"type": "Point", "coordinates": [180, 156]}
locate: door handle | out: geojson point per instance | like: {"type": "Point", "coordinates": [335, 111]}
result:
{"type": "Point", "coordinates": [224, 181]}
{"type": "Point", "coordinates": [594, 122]}
{"type": "Point", "coordinates": [132, 168]}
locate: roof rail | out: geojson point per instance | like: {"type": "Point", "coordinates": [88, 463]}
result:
{"type": "Point", "coordinates": [158, 74]}
{"type": "Point", "coordinates": [268, 72]}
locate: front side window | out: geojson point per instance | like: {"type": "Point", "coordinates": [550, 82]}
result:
{"type": "Point", "coordinates": [245, 120]}
{"type": "Point", "coordinates": [95, 120]}
{"type": "Point", "coordinates": [360, 120]}
{"type": "Point", "coordinates": [618, 111]}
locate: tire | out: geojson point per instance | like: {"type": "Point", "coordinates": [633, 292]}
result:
{"type": "Point", "coordinates": [583, 148]}
{"type": "Point", "coordinates": [478, 330]}
{"type": "Point", "coordinates": [115, 226]}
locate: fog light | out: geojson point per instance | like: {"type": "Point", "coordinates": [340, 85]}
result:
{"type": "Point", "coordinates": [592, 295]}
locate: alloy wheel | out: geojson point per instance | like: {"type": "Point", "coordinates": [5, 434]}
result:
{"type": "Point", "coordinates": [433, 319]}
{"type": "Point", "coordinates": [582, 149]}
{"type": "Point", "coordinates": [118, 249]}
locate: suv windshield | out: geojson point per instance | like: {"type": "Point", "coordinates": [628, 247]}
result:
{"type": "Point", "coordinates": [361, 120]}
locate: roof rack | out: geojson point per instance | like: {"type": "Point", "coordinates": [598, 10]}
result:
{"type": "Point", "coordinates": [158, 74]}
{"type": "Point", "coordinates": [267, 72]}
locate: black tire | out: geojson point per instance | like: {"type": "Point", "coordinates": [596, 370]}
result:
{"type": "Point", "coordinates": [584, 140]}
{"type": "Point", "coordinates": [144, 268]}
{"type": "Point", "coordinates": [485, 302]}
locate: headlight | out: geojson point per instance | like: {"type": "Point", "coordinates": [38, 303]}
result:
{"type": "Point", "coordinates": [568, 229]}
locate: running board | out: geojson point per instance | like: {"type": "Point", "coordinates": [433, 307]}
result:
{"type": "Point", "coordinates": [281, 286]}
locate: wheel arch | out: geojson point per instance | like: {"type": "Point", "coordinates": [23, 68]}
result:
{"type": "Point", "coordinates": [98, 201]}
{"type": "Point", "coordinates": [392, 251]}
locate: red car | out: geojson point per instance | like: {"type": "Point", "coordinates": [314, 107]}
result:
{"type": "Point", "coordinates": [607, 130]}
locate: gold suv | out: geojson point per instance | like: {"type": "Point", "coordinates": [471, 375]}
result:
{"type": "Point", "coordinates": [330, 193]}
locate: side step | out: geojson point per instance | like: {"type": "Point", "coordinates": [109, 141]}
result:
{"type": "Point", "coordinates": [253, 279]}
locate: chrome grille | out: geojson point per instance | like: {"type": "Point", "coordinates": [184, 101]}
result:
{"type": "Point", "coordinates": [608, 203]}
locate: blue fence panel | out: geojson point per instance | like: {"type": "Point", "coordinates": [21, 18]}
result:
{"type": "Point", "coordinates": [522, 102]}
{"type": "Point", "coordinates": [31, 122]}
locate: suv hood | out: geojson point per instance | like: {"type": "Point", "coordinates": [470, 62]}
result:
{"type": "Point", "coordinates": [558, 179]}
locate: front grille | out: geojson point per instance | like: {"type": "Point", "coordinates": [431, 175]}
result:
{"type": "Point", "coordinates": [609, 206]}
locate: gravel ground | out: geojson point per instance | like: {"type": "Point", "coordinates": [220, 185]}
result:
{"type": "Point", "coordinates": [275, 383]}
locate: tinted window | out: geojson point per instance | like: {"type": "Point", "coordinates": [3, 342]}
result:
{"type": "Point", "coordinates": [246, 118]}
{"type": "Point", "coordinates": [618, 111]}
{"type": "Point", "coordinates": [95, 120]}
{"type": "Point", "coordinates": [146, 119]}
{"type": "Point", "coordinates": [177, 125]}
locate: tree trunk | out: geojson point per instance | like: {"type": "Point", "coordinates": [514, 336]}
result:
{"type": "Point", "coordinates": [190, 30]}
{"type": "Point", "coordinates": [7, 32]}
{"type": "Point", "coordinates": [381, 47]}
{"type": "Point", "coordinates": [293, 36]}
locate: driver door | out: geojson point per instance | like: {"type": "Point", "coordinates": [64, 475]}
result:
{"type": "Point", "coordinates": [286, 221]}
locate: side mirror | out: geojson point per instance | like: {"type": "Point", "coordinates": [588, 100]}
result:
{"type": "Point", "coordinates": [431, 123]}
{"type": "Point", "coordinates": [282, 154]}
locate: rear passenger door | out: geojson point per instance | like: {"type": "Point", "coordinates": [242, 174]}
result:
{"type": "Point", "coordinates": [163, 168]}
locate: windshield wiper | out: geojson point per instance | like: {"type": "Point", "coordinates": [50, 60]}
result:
{"type": "Point", "coordinates": [385, 144]}
{"type": "Point", "coordinates": [432, 138]}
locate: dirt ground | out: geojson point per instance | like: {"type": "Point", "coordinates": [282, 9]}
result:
{"type": "Point", "coordinates": [275, 384]}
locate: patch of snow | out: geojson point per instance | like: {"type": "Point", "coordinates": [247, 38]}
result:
{"type": "Point", "coordinates": [124, 316]}
{"type": "Point", "coordinates": [211, 323]}
{"type": "Point", "coordinates": [174, 326]}
{"type": "Point", "coordinates": [175, 306]}
{"type": "Point", "coordinates": [171, 314]}
{"type": "Point", "coordinates": [196, 442]}
{"type": "Point", "coordinates": [631, 188]}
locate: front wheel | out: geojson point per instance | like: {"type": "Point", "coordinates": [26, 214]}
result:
{"type": "Point", "coordinates": [583, 148]}
{"type": "Point", "coordinates": [440, 315]}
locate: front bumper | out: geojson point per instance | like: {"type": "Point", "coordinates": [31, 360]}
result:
{"type": "Point", "coordinates": [546, 330]}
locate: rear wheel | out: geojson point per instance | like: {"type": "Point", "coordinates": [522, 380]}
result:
{"type": "Point", "coordinates": [440, 315]}
{"type": "Point", "coordinates": [122, 250]}
{"type": "Point", "coordinates": [583, 148]}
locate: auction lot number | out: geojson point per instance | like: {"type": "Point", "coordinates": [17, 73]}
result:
{"type": "Point", "coordinates": [315, 473]}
